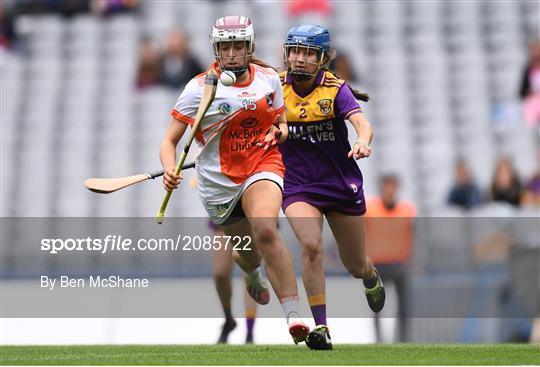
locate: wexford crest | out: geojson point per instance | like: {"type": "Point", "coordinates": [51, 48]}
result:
{"type": "Point", "coordinates": [325, 105]}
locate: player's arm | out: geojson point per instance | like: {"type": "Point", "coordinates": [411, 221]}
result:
{"type": "Point", "coordinates": [347, 107]}
{"type": "Point", "coordinates": [360, 148]}
{"type": "Point", "coordinates": [182, 115]}
{"type": "Point", "coordinates": [167, 153]}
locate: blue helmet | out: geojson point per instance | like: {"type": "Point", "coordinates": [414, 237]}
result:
{"type": "Point", "coordinates": [309, 35]}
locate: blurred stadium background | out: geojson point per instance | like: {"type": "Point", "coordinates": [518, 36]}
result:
{"type": "Point", "coordinates": [444, 79]}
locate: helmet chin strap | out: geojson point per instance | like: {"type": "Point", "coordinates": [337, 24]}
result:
{"type": "Point", "coordinates": [238, 73]}
{"type": "Point", "coordinates": [300, 77]}
{"type": "Point", "coordinates": [236, 70]}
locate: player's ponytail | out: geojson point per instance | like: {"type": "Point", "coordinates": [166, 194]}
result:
{"type": "Point", "coordinates": [363, 96]}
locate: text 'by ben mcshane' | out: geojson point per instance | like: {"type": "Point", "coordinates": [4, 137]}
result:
{"type": "Point", "coordinates": [112, 281]}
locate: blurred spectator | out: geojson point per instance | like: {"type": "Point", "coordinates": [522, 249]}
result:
{"type": "Point", "coordinates": [530, 86]}
{"type": "Point", "coordinates": [7, 28]}
{"type": "Point", "coordinates": [64, 7]}
{"type": "Point", "coordinates": [297, 8]}
{"type": "Point", "coordinates": [492, 249]}
{"type": "Point", "coordinates": [505, 185]}
{"type": "Point", "coordinates": [465, 193]}
{"type": "Point", "coordinates": [110, 7]}
{"type": "Point", "coordinates": [389, 244]}
{"type": "Point", "coordinates": [531, 192]}
{"type": "Point", "coordinates": [148, 72]}
{"type": "Point", "coordinates": [341, 65]}
{"type": "Point", "coordinates": [535, 333]}
{"type": "Point", "coordinates": [178, 66]}
{"type": "Point", "coordinates": [530, 83]}
{"type": "Point", "coordinates": [30, 7]}
{"type": "Point", "coordinates": [70, 7]}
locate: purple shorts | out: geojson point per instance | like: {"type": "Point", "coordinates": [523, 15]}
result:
{"type": "Point", "coordinates": [327, 204]}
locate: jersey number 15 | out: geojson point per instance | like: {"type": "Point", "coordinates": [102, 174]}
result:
{"type": "Point", "coordinates": [249, 104]}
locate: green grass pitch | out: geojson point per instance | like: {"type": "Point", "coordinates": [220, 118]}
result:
{"type": "Point", "coordinates": [396, 354]}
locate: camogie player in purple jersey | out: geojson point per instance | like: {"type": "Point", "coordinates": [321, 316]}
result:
{"type": "Point", "coordinates": [322, 178]}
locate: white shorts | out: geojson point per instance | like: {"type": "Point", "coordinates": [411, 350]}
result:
{"type": "Point", "coordinates": [219, 213]}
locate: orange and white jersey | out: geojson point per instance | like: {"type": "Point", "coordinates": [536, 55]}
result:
{"type": "Point", "coordinates": [238, 119]}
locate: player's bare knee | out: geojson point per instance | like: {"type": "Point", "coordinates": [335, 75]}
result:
{"type": "Point", "coordinates": [264, 234]}
{"type": "Point", "coordinates": [312, 249]}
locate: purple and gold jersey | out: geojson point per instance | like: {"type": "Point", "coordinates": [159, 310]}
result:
{"type": "Point", "coordinates": [315, 154]}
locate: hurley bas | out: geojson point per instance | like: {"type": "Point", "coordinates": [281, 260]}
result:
{"type": "Point", "coordinates": [113, 281]}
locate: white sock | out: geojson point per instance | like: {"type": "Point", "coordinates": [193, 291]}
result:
{"type": "Point", "coordinates": [291, 307]}
{"type": "Point", "coordinates": [255, 277]}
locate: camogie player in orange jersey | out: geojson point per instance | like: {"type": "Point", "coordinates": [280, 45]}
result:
{"type": "Point", "coordinates": [239, 170]}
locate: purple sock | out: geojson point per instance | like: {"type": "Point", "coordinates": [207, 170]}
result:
{"type": "Point", "coordinates": [250, 322]}
{"type": "Point", "coordinates": [319, 314]}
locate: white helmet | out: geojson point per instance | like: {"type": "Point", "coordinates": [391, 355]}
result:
{"type": "Point", "coordinates": [230, 29]}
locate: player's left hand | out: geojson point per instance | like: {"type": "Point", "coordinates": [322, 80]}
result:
{"type": "Point", "coordinates": [359, 150]}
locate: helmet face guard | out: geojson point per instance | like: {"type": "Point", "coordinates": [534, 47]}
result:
{"type": "Point", "coordinates": [304, 39]}
{"type": "Point", "coordinates": [302, 74]}
{"type": "Point", "coordinates": [227, 33]}
{"type": "Point", "coordinates": [227, 57]}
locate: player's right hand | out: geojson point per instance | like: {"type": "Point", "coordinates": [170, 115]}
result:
{"type": "Point", "coordinates": [170, 179]}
